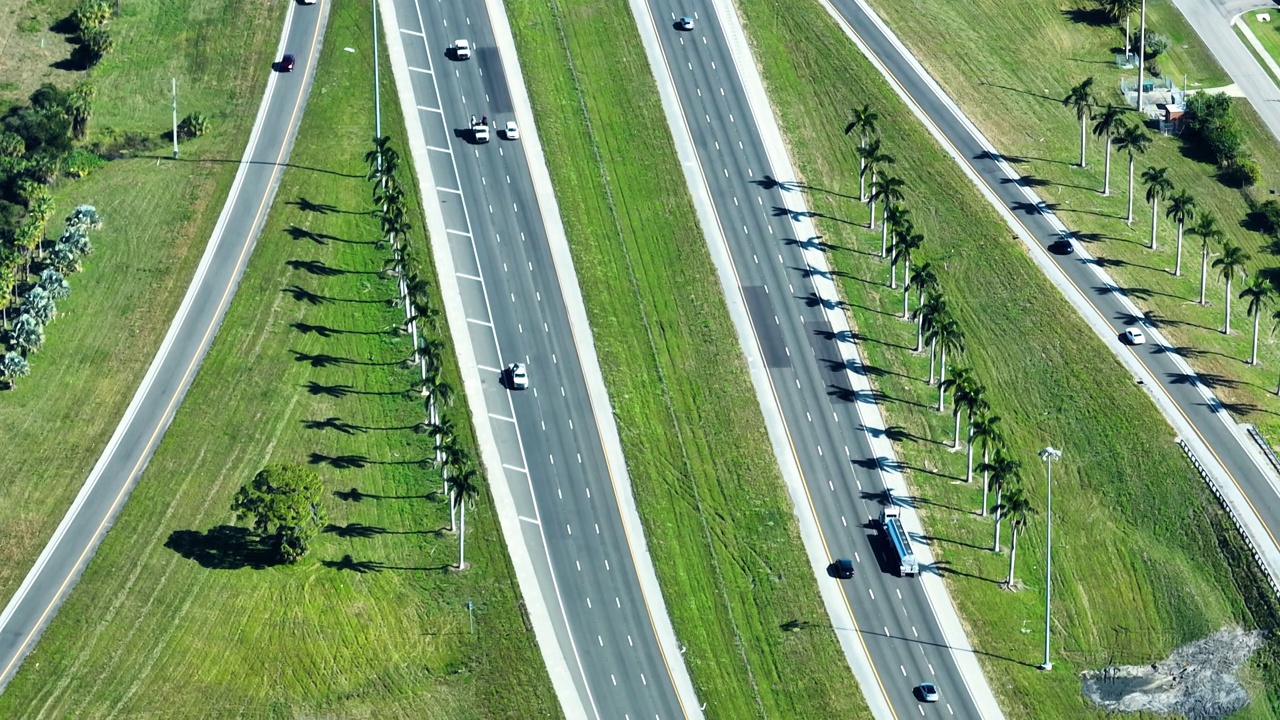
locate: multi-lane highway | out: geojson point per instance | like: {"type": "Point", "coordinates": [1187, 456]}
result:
{"type": "Point", "coordinates": [1185, 400]}
{"type": "Point", "coordinates": [183, 348]}
{"type": "Point", "coordinates": [790, 302]}
{"type": "Point", "coordinates": [556, 453]}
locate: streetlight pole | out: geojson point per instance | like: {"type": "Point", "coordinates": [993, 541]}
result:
{"type": "Point", "coordinates": [174, 82]}
{"type": "Point", "coordinates": [1048, 454]}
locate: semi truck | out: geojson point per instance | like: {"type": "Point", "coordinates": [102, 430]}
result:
{"type": "Point", "coordinates": [898, 541]}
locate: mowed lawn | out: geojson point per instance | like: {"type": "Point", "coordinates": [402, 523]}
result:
{"type": "Point", "coordinates": [716, 515]}
{"type": "Point", "coordinates": [1009, 63]}
{"type": "Point", "coordinates": [158, 217]}
{"type": "Point", "coordinates": [175, 617]}
{"type": "Point", "coordinates": [1144, 558]}
{"type": "Point", "coordinates": [1267, 33]}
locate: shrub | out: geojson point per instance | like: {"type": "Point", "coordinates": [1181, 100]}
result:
{"type": "Point", "coordinates": [1244, 172]}
{"type": "Point", "coordinates": [1153, 68]}
{"type": "Point", "coordinates": [91, 14]}
{"type": "Point", "coordinates": [1212, 120]}
{"type": "Point", "coordinates": [1266, 218]}
{"type": "Point", "coordinates": [193, 125]}
{"type": "Point", "coordinates": [82, 162]}
{"type": "Point", "coordinates": [1157, 45]}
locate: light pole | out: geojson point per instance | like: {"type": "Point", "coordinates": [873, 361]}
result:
{"type": "Point", "coordinates": [1048, 454]}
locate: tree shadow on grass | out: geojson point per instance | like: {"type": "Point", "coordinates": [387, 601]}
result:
{"type": "Point", "coordinates": [943, 568]}
{"type": "Point", "coordinates": [1091, 16]}
{"type": "Point", "coordinates": [322, 360]}
{"type": "Point", "coordinates": [356, 495]}
{"type": "Point", "coordinates": [298, 233]}
{"type": "Point", "coordinates": [341, 391]}
{"type": "Point", "coordinates": [342, 426]}
{"type": "Point", "coordinates": [225, 547]}
{"type": "Point", "coordinates": [898, 434]}
{"type": "Point", "coordinates": [302, 294]}
{"type": "Point", "coordinates": [328, 332]}
{"type": "Point", "coordinates": [923, 538]}
{"type": "Point", "coordinates": [352, 461]}
{"type": "Point", "coordinates": [1238, 409]}
{"type": "Point", "coordinates": [310, 206]}
{"type": "Point", "coordinates": [250, 162]}
{"type": "Point", "coordinates": [877, 397]}
{"type": "Point", "coordinates": [360, 530]}
{"type": "Point", "coordinates": [362, 567]}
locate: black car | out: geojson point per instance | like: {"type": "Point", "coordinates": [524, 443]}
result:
{"type": "Point", "coordinates": [1062, 247]}
{"type": "Point", "coordinates": [286, 63]}
{"type": "Point", "coordinates": [842, 569]}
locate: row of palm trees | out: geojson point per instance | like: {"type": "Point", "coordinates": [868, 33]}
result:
{"type": "Point", "coordinates": [39, 298]}
{"type": "Point", "coordinates": [936, 326]}
{"type": "Point", "coordinates": [461, 478]}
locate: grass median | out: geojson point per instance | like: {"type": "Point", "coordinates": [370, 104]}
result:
{"type": "Point", "coordinates": [1144, 558]}
{"type": "Point", "coordinates": [1008, 64]}
{"type": "Point", "coordinates": [717, 518]}
{"type": "Point", "coordinates": [177, 616]}
{"type": "Point", "coordinates": [158, 219]}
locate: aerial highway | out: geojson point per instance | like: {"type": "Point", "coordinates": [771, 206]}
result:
{"type": "Point", "coordinates": [511, 297]}
{"type": "Point", "coordinates": [1229, 456]}
{"type": "Point", "coordinates": [188, 339]}
{"type": "Point", "coordinates": [781, 280]}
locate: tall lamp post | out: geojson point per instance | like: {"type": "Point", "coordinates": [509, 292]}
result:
{"type": "Point", "coordinates": [1048, 454]}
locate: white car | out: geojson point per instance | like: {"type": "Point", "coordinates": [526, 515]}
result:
{"type": "Point", "coordinates": [1134, 336]}
{"type": "Point", "coordinates": [309, 2]}
{"type": "Point", "coordinates": [480, 132]}
{"type": "Point", "coordinates": [685, 23]}
{"type": "Point", "coordinates": [461, 49]}
{"type": "Point", "coordinates": [517, 376]}
{"type": "Point", "coordinates": [512, 132]}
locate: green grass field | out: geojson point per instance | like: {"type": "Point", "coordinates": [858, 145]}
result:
{"type": "Point", "coordinates": [716, 515]}
{"type": "Point", "coordinates": [158, 220]}
{"type": "Point", "coordinates": [1010, 63]}
{"type": "Point", "coordinates": [1268, 34]}
{"type": "Point", "coordinates": [173, 620]}
{"type": "Point", "coordinates": [1144, 558]}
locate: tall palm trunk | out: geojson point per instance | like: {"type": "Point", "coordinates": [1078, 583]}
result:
{"type": "Point", "coordinates": [1177, 263]}
{"type": "Point", "coordinates": [871, 219]}
{"type": "Point", "coordinates": [919, 332]}
{"type": "Point", "coordinates": [1130, 218]}
{"type": "Point", "coordinates": [862, 171]}
{"type": "Point", "coordinates": [1253, 358]}
{"type": "Point", "coordinates": [968, 476]}
{"type": "Point", "coordinates": [1226, 310]}
{"type": "Point", "coordinates": [1084, 134]}
{"type": "Point", "coordinates": [462, 538]}
{"type": "Point", "coordinates": [1013, 555]}
{"type": "Point", "coordinates": [955, 442]}
{"type": "Point", "coordinates": [986, 474]}
{"type": "Point", "coordinates": [1155, 204]}
{"type": "Point", "coordinates": [1106, 172]}
{"type": "Point", "coordinates": [995, 546]}
{"type": "Point", "coordinates": [906, 288]}
{"type": "Point", "coordinates": [942, 377]}
{"type": "Point", "coordinates": [453, 508]}
{"type": "Point", "coordinates": [1204, 269]}
{"type": "Point", "coordinates": [893, 274]}
{"type": "Point", "coordinates": [933, 354]}
{"type": "Point", "coordinates": [884, 230]}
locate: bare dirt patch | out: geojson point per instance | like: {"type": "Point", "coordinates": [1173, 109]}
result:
{"type": "Point", "coordinates": [1198, 680]}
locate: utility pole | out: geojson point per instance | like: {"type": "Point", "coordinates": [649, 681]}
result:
{"type": "Point", "coordinates": [377, 103]}
{"type": "Point", "coordinates": [1048, 454]}
{"type": "Point", "coordinates": [1142, 51]}
{"type": "Point", "coordinates": [175, 117]}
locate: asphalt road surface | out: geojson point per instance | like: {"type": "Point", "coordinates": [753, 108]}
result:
{"type": "Point", "coordinates": [516, 312]}
{"type": "Point", "coordinates": [840, 470]}
{"type": "Point", "coordinates": [1209, 418]}
{"type": "Point", "coordinates": [175, 365]}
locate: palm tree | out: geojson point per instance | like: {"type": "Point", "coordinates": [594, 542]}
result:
{"type": "Point", "coordinates": [1017, 508]}
{"type": "Point", "coordinates": [924, 280]}
{"type": "Point", "coordinates": [39, 304]}
{"type": "Point", "coordinates": [949, 337]}
{"type": "Point", "coordinates": [53, 282]}
{"type": "Point", "coordinates": [1081, 100]}
{"type": "Point", "coordinates": [1135, 141]}
{"type": "Point", "coordinates": [959, 385]}
{"type": "Point", "coordinates": [987, 429]}
{"type": "Point", "coordinates": [876, 161]}
{"type": "Point", "coordinates": [1158, 188]}
{"type": "Point", "coordinates": [906, 245]}
{"type": "Point", "coordinates": [1108, 126]}
{"type": "Point", "coordinates": [12, 367]}
{"type": "Point", "coordinates": [1209, 232]}
{"type": "Point", "coordinates": [80, 107]}
{"type": "Point", "coordinates": [464, 483]}
{"type": "Point", "coordinates": [1005, 475]}
{"type": "Point", "coordinates": [1231, 263]}
{"type": "Point", "coordinates": [933, 313]}
{"type": "Point", "coordinates": [27, 334]}
{"type": "Point", "coordinates": [382, 159]}
{"type": "Point", "coordinates": [905, 242]}
{"type": "Point", "coordinates": [1182, 208]}
{"type": "Point", "coordinates": [864, 123]}
{"type": "Point", "coordinates": [1259, 293]}
{"type": "Point", "coordinates": [888, 190]}
{"type": "Point", "coordinates": [895, 216]}
{"type": "Point", "coordinates": [975, 402]}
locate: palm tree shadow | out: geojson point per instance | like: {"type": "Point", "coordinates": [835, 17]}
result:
{"type": "Point", "coordinates": [306, 205]}
{"type": "Point", "coordinates": [328, 332]}
{"type": "Point", "coordinates": [356, 495]}
{"type": "Point", "coordinates": [323, 360]}
{"type": "Point", "coordinates": [170, 158]}
{"type": "Point", "coordinates": [298, 233]}
{"type": "Point", "coordinates": [341, 391]}
{"type": "Point", "coordinates": [362, 567]}
{"type": "Point", "coordinates": [812, 300]}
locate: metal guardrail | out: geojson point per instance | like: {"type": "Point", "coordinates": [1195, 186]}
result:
{"type": "Point", "coordinates": [1253, 549]}
{"type": "Point", "coordinates": [1263, 445]}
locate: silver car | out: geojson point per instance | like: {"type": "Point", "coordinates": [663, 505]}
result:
{"type": "Point", "coordinates": [517, 376]}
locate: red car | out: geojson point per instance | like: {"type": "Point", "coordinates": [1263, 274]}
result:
{"type": "Point", "coordinates": [286, 63]}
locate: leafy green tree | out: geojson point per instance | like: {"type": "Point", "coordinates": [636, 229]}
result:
{"type": "Point", "coordinates": [27, 334]}
{"type": "Point", "coordinates": [864, 122]}
{"type": "Point", "coordinates": [12, 367]}
{"type": "Point", "coordinates": [1081, 100]}
{"type": "Point", "coordinates": [1182, 209]}
{"type": "Point", "coordinates": [95, 43]}
{"type": "Point", "coordinates": [1018, 509]}
{"type": "Point", "coordinates": [1230, 264]}
{"type": "Point", "coordinates": [12, 145]}
{"type": "Point", "coordinates": [1135, 141]}
{"type": "Point", "coordinates": [91, 14]}
{"type": "Point", "coordinates": [1259, 293]}
{"type": "Point", "coordinates": [1159, 186]}
{"type": "Point", "coordinates": [283, 503]}
{"type": "Point", "coordinates": [1211, 118]}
